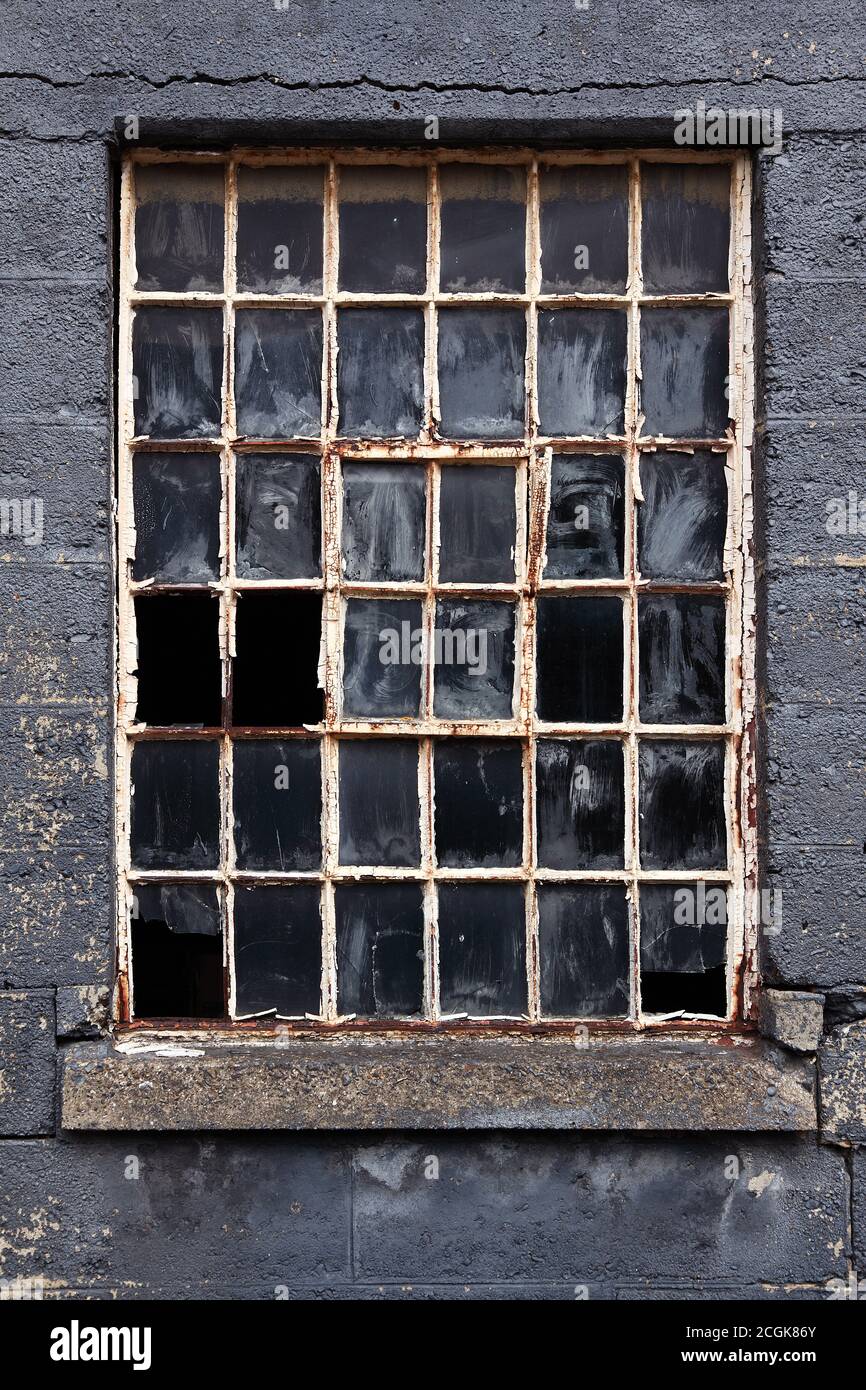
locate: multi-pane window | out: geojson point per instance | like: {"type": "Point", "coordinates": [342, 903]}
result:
{"type": "Point", "coordinates": [434, 698]}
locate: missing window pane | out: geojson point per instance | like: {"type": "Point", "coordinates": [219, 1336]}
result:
{"type": "Point", "coordinates": [682, 805]}
{"type": "Point", "coordinates": [177, 951]}
{"type": "Point", "coordinates": [383, 658]}
{"type": "Point", "coordinates": [175, 807]}
{"type": "Point", "coordinates": [176, 503]}
{"type": "Point", "coordinates": [684, 364]}
{"type": "Point", "coordinates": [179, 226]}
{"type": "Point", "coordinates": [278, 521]}
{"type": "Point", "coordinates": [583, 948]}
{"type": "Point", "coordinates": [481, 373]}
{"type": "Point", "coordinates": [478, 803]}
{"type": "Point", "coordinates": [580, 804]}
{"type": "Point", "coordinates": [584, 229]}
{"type": "Point", "coordinates": [275, 681]}
{"type": "Point", "coordinates": [682, 520]}
{"type": "Point", "coordinates": [586, 521]}
{"type": "Point", "coordinates": [380, 949]}
{"type": "Point", "coordinates": [280, 232]}
{"type": "Point", "coordinates": [379, 809]}
{"type": "Point", "coordinates": [277, 793]}
{"type": "Point", "coordinates": [685, 228]}
{"type": "Point", "coordinates": [474, 656]}
{"type": "Point", "coordinates": [384, 521]}
{"type": "Point", "coordinates": [682, 659]}
{"type": "Point", "coordinates": [581, 371]}
{"type": "Point", "coordinates": [683, 948]}
{"type": "Point", "coordinates": [278, 373]}
{"type": "Point", "coordinates": [580, 660]}
{"type": "Point", "coordinates": [177, 367]}
{"type": "Point", "coordinates": [483, 227]}
{"type": "Point", "coordinates": [278, 950]}
{"type": "Point", "coordinates": [179, 666]}
{"type": "Point", "coordinates": [383, 230]}
{"type": "Point", "coordinates": [482, 949]}
{"type": "Point", "coordinates": [380, 372]}
{"type": "Point", "coordinates": [477, 524]}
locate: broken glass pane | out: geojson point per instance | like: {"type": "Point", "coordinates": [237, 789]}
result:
{"type": "Point", "coordinates": [278, 373]}
{"type": "Point", "coordinates": [277, 791]}
{"type": "Point", "coordinates": [581, 371]}
{"type": "Point", "coordinates": [683, 948]}
{"type": "Point", "coordinates": [175, 819]}
{"type": "Point", "coordinates": [580, 808]}
{"type": "Point", "coordinates": [280, 231]}
{"type": "Point", "coordinates": [379, 809]}
{"type": "Point", "coordinates": [483, 227]}
{"type": "Point", "coordinates": [585, 525]}
{"type": "Point", "coordinates": [682, 805]}
{"type": "Point", "coordinates": [477, 524]}
{"type": "Point", "coordinates": [383, 229]}
{"type": "Point", "coordinates": [275, 682]}
{"type": "Point", "coordinates": [176, 501]}
{"type": "Point", "coordinates": [382, 658]}
{"type": "Point", "coordinates": [583, 950]}
{"type": "Point", "coordinates": [584, 229]}
{"type": "Point", "coordinates": [179, 666]}
{"type": "Point", "coordinates": [473, 652]}
{"type": "Point", "coordinates": [380, 949]}
{"type": "Point", "coordinates": [481, 373]}
{"type": "Point", "coordinates": [278, 524]}
{"type": "Point", "coordinates": [685, 227]}
{"type": "Point", "coordinates": [177, 366]}
{"type": "Point", "coordinates": [482, 949]}
{"type": "Point", "coordinates": [682, 659]}
{"type": "Point", "coordinates": [380, 372]}
{"type": "Point", "coordinates": [684, 362]}
{"type": "Point", "coordinates": [384, 521]}
{"type": "Point", "coordinates": [682, 520]}
{"type": "Point", "coordinates": [179, 226]}
{"type": "Point", "coordinates": [580, 660]}
{"type": "Point", "coordinates": [478, 803]}
{"type": "Point", "coordinates": [278, 950]}
{"type": "Point", "coordinates": [177, 951]}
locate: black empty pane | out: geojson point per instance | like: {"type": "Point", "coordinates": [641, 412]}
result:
{"type": "Point", "coordinates": [483, 227]}
{"type": "Point", "coordinates": [275, 668]}
{"type": "Point", "coordinates": [682, 520]}
{"type": "Point", "coordinates": [277, 791]}
{"type": "Point", "coordinates": [580, 660]}
{"type": "Point", "coordinates": [477, 524]}
{"type": "Point", "coordinates": [685, 227]}
{"type": "Point", "coordinates": [683, 948]}
{"type": "Point", "coordinates": [177, 951]}
{"type": "Point", "coordinates": [179, 226]}
{"type": "Point", "coordinates": [177, 365]}
{"type": "Point", "coordinates": [384, 521]}
{"type": "Point", "coordinates": [383, 229]}
{"type": "Point", "coordinates": [474, 659]}
{"type": "Point", "coordinates": [682, 659]}
{"type": "Point", "coordinates": [278, 373]}
{"type": "Point", "coordinates": [482, 949]}
{"type": "Point", "coordinates": [580, 804]}
{"type": "Point", "coordinates": [175, 809]}
{"type": "Point", "coordinates": [682, 805]}
{"type": "Point", "coordinates": [584, 229]}
{"type": "Point", "coordinates": [379, 809]}
{"type": "Point", "coordinates": [380, 949]}
{"type": "Point", "coordinates": [382, 658]}
{"type": "Point", "coordinates": [481, 373]}
{"type": "Point", "coordinates": [176, 501]}
{"type": "Point", "coordinates": [278, 521]}
{"type": "Point", "coordinates": [684, 363]}
{"type": "Point", "coordinates": [278, 950]}
{"type": "Point", "coordinates": [583, 948]}
{"type": "Point", "coordinates": [179, 666]}
{"type": "Point", "coordinates": [478, 808]}
{"type": "Point", "coordinates": [581, 371]}
{"type": "Point", "coordinates": [280, 232]}
{"type": "Point", "coordinates": [380, 371]}
{"type": "Point", "coordinates": [585, 524]}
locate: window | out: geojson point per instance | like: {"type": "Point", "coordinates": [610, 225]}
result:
{"type": "Point", "coordinates": [435, 680]}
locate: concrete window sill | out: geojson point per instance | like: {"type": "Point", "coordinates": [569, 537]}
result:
{"type": "Point", "coordinates": [683, 1083]}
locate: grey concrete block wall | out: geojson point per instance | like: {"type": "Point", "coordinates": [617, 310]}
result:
{"type": "Point", "coordinates": [531, 1215]}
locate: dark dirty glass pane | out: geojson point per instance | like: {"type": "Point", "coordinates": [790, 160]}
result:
{"type": "Point", "coordinates": [177, 951]}
{"type": "Point", "coordinates": [581, 371]}
{"type": "Point", "coordinates": [474, 659]}
{"type": "Point", "coordinates": [481, 373]}
{"type": "Point", "coordinates": [278, 373]}
{"type": "Point", "coordinates": [384, 521]}
{"type": "Point", "coordinates": [682, 520]}
{"type": "Point", "coordinates": [682, 805]}
{"type": "Point", "coordinates": [380, 371]}
{"type": "Point", "coordinates": [179, 226]}
{"type": "Point", "coordinates": [483, 227]}
{"type": "Point", "coordinates": [383, 230]}
{"type": "Point", "coordinates": [583, 950]}
{"type": "Point", "coordinates": [177, 367]}
{"type": "Point", "coordinates": [580, 660]}
{"type": "Point", "coordinates": [380, 949]}
{"type": "Point", "coordinates": [382, 658]}
{"type": "Point", "coordinates": [175, 821]}
{"type": "Point", "coordinates": [179, 667]}
{"type": "Point", "coordinates": [584, 229]}
{"type": "Point", "coordinates": [682, 659]}
{"type": "Point", "coordinates": [275, 667]}
{"type": "Point", "coordinates": [585, 524]}
{"type": "Point", "coordinates": [277, 791]}
{"type": "Point", "coordinates": [482, 949]}
{"type": "Point", "coordinates": [379, 809]}
{"type": "Point", "coordinates": [477, 524]}
{"type": "Point", "coordinates": [280, 232]}
{"type": "Point", "coordinates": [176, 502]}
{"type": "Point", "coordinates": [683, 948]}
{"type": "Point", "coordinates": [685, 227]}
{"type": "Point", "coordinates": [580, 803]}
{"type": "Point", "coordinates": [684, 362]}
{"type": "Point", "coordinates": [278, 950]}
{"type": "Point", "coordinates": [278, 522]}
{"type": "Point", "coordinates": [478, 805]}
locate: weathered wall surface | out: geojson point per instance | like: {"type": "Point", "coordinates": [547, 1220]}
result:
{"type": "Point", "coordinates": [528, 1216]}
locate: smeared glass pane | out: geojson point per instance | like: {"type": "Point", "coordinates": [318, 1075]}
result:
{"type": "Point", "coordinates": [682, 659]}
{"type": "Point", "coordinates": [584, 229]}
{"type": "Point", "coordinates": [384, 521]}
{"type": "Point", "coordinates": [580, 807]}
{"type": "Point", "coordinates": [177, 366]}
{"type": "Point", "coordinates": [683, 947]}
{"type": "Point", "coordinates": [682, 806]}
{"type": "Point", "coordinates": [177, 951]}
{"type": "Point", "coordinates": [278, 373]}
{"type": "Point", "coordinates": [175, 820]}
{"type": "Point", "coordinates": [277, 791]}
{"type": "Point", "coordinates": [179, 226]}
{"type": "Point", "coordinates": [179, 668]}
{"type": "Point", "coordinates": [684, 360]}
{"type": "Point", "coordinates": [280, 231]}
{"type": "Point", "coordinates": [176, 502]}
{"type": "Point", "coordinates": [383, 229]}
{"type": "Point", "coordinates": [278, 950]}
{"type": "Point", "coordinates": [685, 227]}
{"type": "Point", "coordinates": [275, 669]}
{"type": "Point", "coordinates": [581, 371]}
{"type": "Point", "coordinates": [477, 524]}
{"type": "Point", "coordinates": [278, 522]}
{"type": "Point", "coordinates": [380, 949]}
{"type": "Point", "coordinates": [580, 660]}
{"type": "Point", "coordinates": [583, 950]}
{"type": "Point", "coordinates": [483, 227]}
{"type": "Point", "coordinates": [379, 808]}
{"type": "Point", "coordinates": [482, 949]}
{"type": "Point", "coordinates": [474, 659]}
{"type": "Point", "coordinates": [481, 373]}
{"type": "Point", "coordinates": [478, 802]}
{"type": "Point", "coordinates": [380, 371]}
{"type": "Point", "coordinates": [682, 520]}
{"type": "Point", "coordinates": [585, 524]}
{"type": "Point", "coordinates": [382, 658]}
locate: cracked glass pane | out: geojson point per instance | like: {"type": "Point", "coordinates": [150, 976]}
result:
{"type": "Point", "coordinates": [277, 796]}
{"type": "Point", "coordinates": [483, 227]}
{"type": "Point", "coordinates": [176, 503]}
{"type": "Point", "coordinates": [482, 949]}
{"type": "Point", "coordinates": [278, 519]}
{"type": "Point", "coordinates": [384, 521]}
{"type": "Point", "coordinates": [281, 230]}
{"type": "Point", "coordinates": [586, 521]}
{"type": "Point", "coordinates": [582, 371]}
{"type": "Point", "coordinates": [179, 226]}
{"type": "Point", "coordinates": [580, 803]}
{"type": "Point", "coordinates": [478, 803]}
{"type": "Point", "coordinates": [177, 366]}
{"type": "Point", "coordinates": [584, 229]}
{"type": "Point", "coordinates": [380, 949]}
{"type": "Point", "coordinates": [682, 659]}
{"type": "Point", "coordinates": [379, 810]}
{"type": "Point", "coordinates": [176, 942]}
{"type": "Point", "coordinates": [383, 229]}
{"type": "Point", "coordinates": [278, 373]}
{"type": "Point", "coordinates": [278, 950]}
{"type": "Point", "coordinates": [380, 372]}
{"type": "Point", "coordinates": [583, 948]}
{"type": "Point", "coordinates": [683, 948]}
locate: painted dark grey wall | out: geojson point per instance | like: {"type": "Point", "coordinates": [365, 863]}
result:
{"type": "Point", "coordinates": [532, 1216]}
